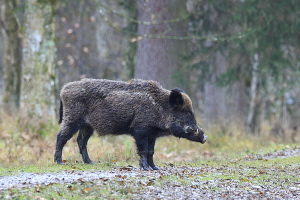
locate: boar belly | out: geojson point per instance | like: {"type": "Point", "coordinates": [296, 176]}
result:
{"type": "Point", "coordinates": [109, 121]}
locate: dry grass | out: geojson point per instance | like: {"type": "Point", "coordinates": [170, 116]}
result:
{"type": "Point", "coordinates": [28, 141]}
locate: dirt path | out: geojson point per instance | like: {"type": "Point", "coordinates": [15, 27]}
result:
{"type": "Point", "coordinates": [183, 182]}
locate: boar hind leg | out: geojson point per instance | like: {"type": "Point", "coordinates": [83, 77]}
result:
{"type": "Point", "coordinates": [151, 144]}
{"type": "Point", "coordinates": [82, 139]}
{"type": "Point", "coordinates": [66, 133]}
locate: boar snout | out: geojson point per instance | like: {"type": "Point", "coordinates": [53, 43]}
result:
{"type": "Point", "coordinates": [193, 133]}
{"type": "Point", "coordinates": [198, 135]}
{"type": "Point", "coordinates": [203, 138]}
{"type": "Point", "coordinates": [201, 135]}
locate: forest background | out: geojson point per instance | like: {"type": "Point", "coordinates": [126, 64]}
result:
{"type": "Point", "coordinates": [237, 59]}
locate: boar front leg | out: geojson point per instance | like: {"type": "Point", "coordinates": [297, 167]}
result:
{"type": "Point", "coordinates": [151, 144]}
{"type": "Point", "coordinates": [142, 148]}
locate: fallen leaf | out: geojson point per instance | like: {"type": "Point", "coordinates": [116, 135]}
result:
{"type": "Point", "coordinates": [129, 168]}
{"type": "Point", "coordinates": [37, 189]}
{"type": "Point", "coordinates": [59, 193]}
{"type": "Point", "coordinates": [86, 190]}
{"type": "Point", "coordinates": [244, 180]}
{"type": "Point", "coordinates": [150, 183]}
{"type": "Point", "coordinates": [71, 189]}
{"type": "Point", "coordinates": [120, 176]}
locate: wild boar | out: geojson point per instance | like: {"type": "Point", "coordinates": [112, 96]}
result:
{"type": "Point", "coordinates": [140, 108]}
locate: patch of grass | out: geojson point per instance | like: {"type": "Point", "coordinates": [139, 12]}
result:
{"type": "Point", "coordinates": [32, 168]}
{"type": "Point", "coordinates": [281, 171]}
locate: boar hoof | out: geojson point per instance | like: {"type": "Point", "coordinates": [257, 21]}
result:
{"type": "Point", "coordinates": [146, 168]}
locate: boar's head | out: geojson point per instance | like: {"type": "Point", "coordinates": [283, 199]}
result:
{"type": "Point", "coordinates": [183, 123]}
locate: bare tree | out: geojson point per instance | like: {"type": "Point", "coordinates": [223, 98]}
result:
{"type": "Point", "coordinates": [39, 74]}
{"type": "Point", "coordinates": [12, 54]}
{"type": "Point", "coordinates": [251, 125]}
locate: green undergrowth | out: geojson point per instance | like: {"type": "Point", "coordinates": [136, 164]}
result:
{"type": "Point", "coordinates": [231, 160]}
{"type": "Point", "coordinates": [27, 144]}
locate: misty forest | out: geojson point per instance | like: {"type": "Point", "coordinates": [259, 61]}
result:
{"type": "Point", "coordinates": [238, 60]}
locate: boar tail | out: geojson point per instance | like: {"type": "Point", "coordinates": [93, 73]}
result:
{"type": "Point", "coordinates": [60, 112]}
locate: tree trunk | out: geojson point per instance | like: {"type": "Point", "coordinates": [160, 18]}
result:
{"type": "Point", "coordinates": [111, 44]}
{"type": "Point", "coordinates": [12, 58]}
{"type": "Point", "coordinates": [1, 72]}
{"type": "Point", "coordinates": [222, 105]}
{"type": "Point", "coordinates": [87, 44]}
{"type": "Point", "coordinates": [2, 49]}
{"type": "Point", "coordinates": [39, 74]}
{"type": "Point", "coordinates": [251, 124]}
{"type": "Point", "coordinates": [158, 59]}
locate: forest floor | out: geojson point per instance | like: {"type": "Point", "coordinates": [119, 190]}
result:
{"type": "Point", "coordinates": [271, 175]}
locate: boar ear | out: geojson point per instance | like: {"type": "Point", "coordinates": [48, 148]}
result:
{"type": "Point", "coordinates": [176, 99]}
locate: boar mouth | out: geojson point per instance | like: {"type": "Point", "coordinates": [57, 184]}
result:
{"type": "Point", "coordinates": [204, 139]}
{"type": "Point", "coordinates": [197, 136]}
